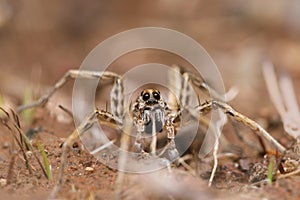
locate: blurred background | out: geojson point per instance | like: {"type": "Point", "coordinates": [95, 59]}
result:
{"type": "Point", "coordinates": [41, 40]}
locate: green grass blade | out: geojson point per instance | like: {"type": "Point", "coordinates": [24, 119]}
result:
{"type": "Point", "coordinates": [270, 171]}
{"type": "Point", "coordinates": [46, 162]}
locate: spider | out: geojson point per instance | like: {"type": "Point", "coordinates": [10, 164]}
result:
{"type": "Point", "coordinates": [149, 114]}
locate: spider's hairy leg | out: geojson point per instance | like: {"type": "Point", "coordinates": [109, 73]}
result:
{"type": "Point", "coordinates": [104, 118]}
{"type": "Point", "coordinates": [180, 84]}
{"type": "Point", "coordinates": [172, 150]}
{"type": "Point", "coordinates": [185, 91]}
{"type": "Point", "coordinates": [117, 98]}
{"type": "Point", "coordinates": [71, 74]}
{"type": "Point", "coordinates": [243, 119]}
{"type": "Point", "coordinates": [188, 79]}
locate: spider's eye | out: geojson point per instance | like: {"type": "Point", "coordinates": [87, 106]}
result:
{"type": "Point", "coordinates": [146, 96]}
{"type": "Point", "coordinates": [156, 95]}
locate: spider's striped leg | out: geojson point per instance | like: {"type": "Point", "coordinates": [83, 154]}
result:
{"type": "Point", "coordinates": [243, 119]}
{"type": "Point", "coordinates": [104, 118]}
{"type": "Point", "coordinates": [69, 75]}
{"type": "Point", "coordinates": [180, 84]}
{"type": "Point", "coordinates": [117, 97]}
{"type": "Point", "coordinates": [172, 150]}
{"type": "Point", "coordinates": [183, 81]}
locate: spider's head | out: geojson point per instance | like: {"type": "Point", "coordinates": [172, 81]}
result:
{"type": "Point", "coordinates": [150, 97]}
{"type": "Point", "coordinates": [150, 108]}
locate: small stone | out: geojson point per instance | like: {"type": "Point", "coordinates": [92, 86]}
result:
{"type": "Point", "coordinates": [6, 145]}
{"type": "Point", "coordinates": [89, 169]}
{"type": "Point", "coordinates": [3, 182]}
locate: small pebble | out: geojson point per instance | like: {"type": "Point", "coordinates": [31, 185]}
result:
{"type": "Point", "coordinates": [89, 169]}
{"type": "Point", "coordinates": [3, 182]}
{"type": "Point", "coordinates": [6, 145]}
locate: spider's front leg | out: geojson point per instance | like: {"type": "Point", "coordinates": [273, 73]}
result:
{"type": "Point", "coordinates": [116, 93]}
{"type": "Point", "coordinates": [171, 146]}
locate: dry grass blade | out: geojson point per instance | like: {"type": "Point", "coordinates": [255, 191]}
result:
{"type": "Point", "coordinates": [283, 96]}
{"type": "Point", "coordinates": [11, 166]}
{"type": "Point", "coordinates": [30, 148]}
{"type": "Point", "coordinates": [66, 110]}
{"type": "Point", "coordinates": [5, 112]}
{"type": "Point", "coordinates": [219, 124]}
{"type": "Point", "coordinates": [13, 125]}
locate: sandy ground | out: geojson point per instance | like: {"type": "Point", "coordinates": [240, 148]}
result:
{"type": "Point", "coordinates": [40, 41]}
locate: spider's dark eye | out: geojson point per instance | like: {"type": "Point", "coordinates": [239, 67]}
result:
{"type": "Point", "coordinates": [146, 96]}
{"type": "Point", "coordinates": [156, 95]}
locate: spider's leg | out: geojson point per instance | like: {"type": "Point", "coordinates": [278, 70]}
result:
{"type": "Point", "coordinates": [138, 139]}
{"type": "Point", "coordinates": [117, 98]}
{"type": "Point", "coordinates": [170, 148]}
{"type": "Point", "coordinates": [180, 84]}
{"type": "Point", "coordinates": [243, 119]}
{"type": "Point", "coordinates": [201, 84]}
{"type": "Point", "coordinates": [183, 85]}
{"type": "Point", "coordinates": [70, 74]}
{"type": "Point", "coordinates": [104, 118]}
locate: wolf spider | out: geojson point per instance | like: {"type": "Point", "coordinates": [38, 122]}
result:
{"type": "Point", "coordinates": [149, 114]}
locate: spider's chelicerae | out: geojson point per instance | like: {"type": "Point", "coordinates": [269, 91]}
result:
{"type": "Point", "coordinates": [149, 114]}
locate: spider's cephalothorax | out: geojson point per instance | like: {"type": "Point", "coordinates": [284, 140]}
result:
{"type": "Point", "coordinates": [150, 110]}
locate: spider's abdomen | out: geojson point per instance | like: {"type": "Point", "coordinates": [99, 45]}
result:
{"type": "Point", "coordinates": [154, 119]}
